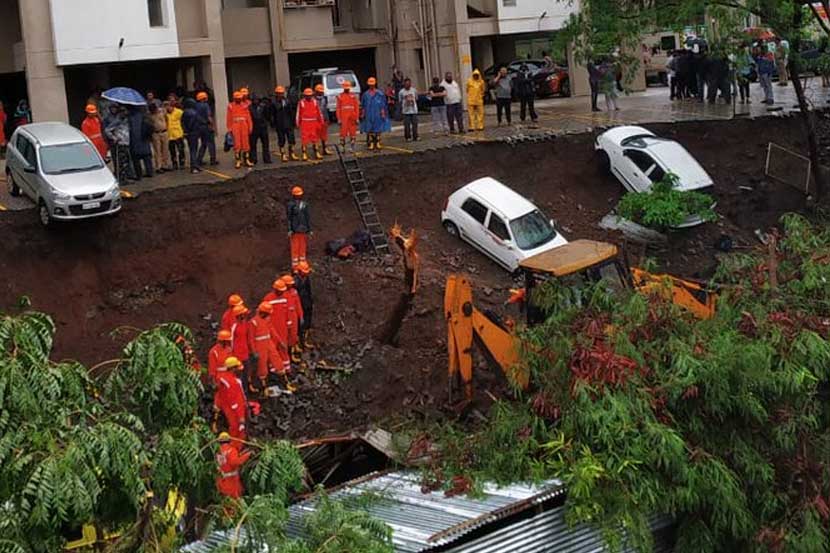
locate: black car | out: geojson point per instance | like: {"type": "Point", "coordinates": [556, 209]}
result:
{"type": "Point", "coordinates": [548, 80]}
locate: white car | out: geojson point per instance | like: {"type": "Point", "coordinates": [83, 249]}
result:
{"type": "Point", "coordinates": [639, 158]}
{"type": "Point", "coordinates": [502, 224]}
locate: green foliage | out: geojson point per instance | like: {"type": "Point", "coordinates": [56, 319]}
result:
{"type": "Point", "coordinates": [338, 527]}
{"type": "Point", "coordinates": [664, 206]}
{"type": "Point", "coordinates": [278, 470]}
{"type": "Point", "coordinates": [723, 423]}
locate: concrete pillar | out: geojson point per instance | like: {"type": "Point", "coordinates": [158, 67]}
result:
{"type": "Point", "coordinates": [464, 54]}
{"type": "Point", "coordinates": [213, 66]}
{"type": "Point", "coordinates": [44, 79]}
{"type": "Point", "coordinates": [279, 57]}
{"type": "Point", "coordinates": [578, 74]}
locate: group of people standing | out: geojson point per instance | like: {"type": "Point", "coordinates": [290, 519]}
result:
{"type": "Point", "coordinates": [144, 140]}
{"type": "Point", "coordinates": [22, 115]}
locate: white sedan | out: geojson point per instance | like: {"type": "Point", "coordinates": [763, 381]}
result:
{"type": "Point", "coordinates": [639, 158]}
{"type": "Point", "coordinates": [501, 223]}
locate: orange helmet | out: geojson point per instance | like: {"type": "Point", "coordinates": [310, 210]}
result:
{"type": "Point", "coordinates": [297, 191]}
{"type": "Point", "coordinates": [224, 335]}
{"type": "Point", "coordinates": [280, 90]}
{"type": "Point", "coordinates": [319, 88]}
{"type": "Point", "coordinates": [303, 267]}
{"type": "Point", "coordinates": [371, 81]}
{"type": "Point", "coordinates": [201, 96]}
{"type": "Point", "coordinates": [240, 310]}
{"type": "Point", "coordinates": [347, 85]}
{"type": "Point", "coordinates": [308, 92]}
{"type": "Point", "coordinates": [265, 307]}
{"type": "Point", "coordinates": [91, 109]}
{"type": "Point", "coordinates": [288, 280]}
{"type": "Point", "coordinates": [279, 285]}
{"type": "Point", "coordinates": [244, 91]}
{"type": "Point", "coordinates": [234, 300]}
{"type": "Point", "coordinates": [237, 95]}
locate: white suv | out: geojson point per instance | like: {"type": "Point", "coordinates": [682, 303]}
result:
{"type": "Point", "coordinates": [502, 224]}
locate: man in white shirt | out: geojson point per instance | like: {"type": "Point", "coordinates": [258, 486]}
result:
{"type": "Point", "coordinates": [408, 100]}
{"type": "Point", "coordinates": [452, 100]}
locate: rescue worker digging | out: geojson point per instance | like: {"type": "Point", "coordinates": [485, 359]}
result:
{"type": "Point", "coordinates": [229, 460]}
{"type": "Point", "coordinates": [240, 125]}
{"type": "Point", "coordinates": [219, 353]}
{"type": "Point", "coordinates": [299, 225]}
{"type": "Point", "coordinates": [323, 129]}
{"type": "Point", "coordinates": [309, 120]}
{"type": "Point", "coordinates": [302, 284]}
{"type": "Point", "coordinates": [230, 399]}
{"type": "Point", "coordinates": [348, 111]}
{"type": "Point", "coordinates": [295, 319]}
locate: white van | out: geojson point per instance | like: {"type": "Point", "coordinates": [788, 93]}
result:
{"type": "Point", "coordinates": [501, 223]}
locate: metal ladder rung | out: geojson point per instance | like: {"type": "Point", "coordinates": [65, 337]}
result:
{"type": "Point", "coordinates": [363, 200]}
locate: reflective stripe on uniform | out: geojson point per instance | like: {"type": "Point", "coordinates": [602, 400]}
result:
{"type": "Point", "coordinates": [261, 338]}
{"type": "Point", "coordinates": [229, 474]}
{"type": "Point", "coordinates": [234, 405]}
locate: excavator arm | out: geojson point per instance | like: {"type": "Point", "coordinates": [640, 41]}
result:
{"type": "Point", "coordinates": [464, 322]}
{"type": "Point", "coordinates": [688, 294]}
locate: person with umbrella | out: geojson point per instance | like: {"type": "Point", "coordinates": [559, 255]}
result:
{"type": "Point", "coordinates": [141, 133]}
{"type": "Point", "coordinates": [117, 131]}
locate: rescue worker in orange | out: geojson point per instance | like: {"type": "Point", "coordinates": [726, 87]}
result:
{"type": "Point", "coordinates": [219, 353]}
{"type": "Point", "coordinates": [299, 225]}
{"type": "Point", "coordinates": [246, 96]}
{"type": "Point", "coordinates": [229, 460]}
{"type": "Point", "coordinates": [229, 398]}
{"type": "Point", "coordinates": [240, 125]}
{"type": "Point", "coordinates": [302, 284]}
{"type": "Point", "coordinates": [242, 343]}
{"type": "Point", "coordinates": [295, 318]}
{"type": "Point", "coordinates": [323, 103]}
{"type": "Point", "coordinates": [269, 357]}
{"type": "Point", "coordinates": [348, 114]}
{"type": "Point", "coordinates": [279, 323]}
{"type": "Point", "coordinates": [91, 127]}
{"type": "Point", "coordinates": [228, 317]}
{"type": "Point", "coordinates": [309, 120]}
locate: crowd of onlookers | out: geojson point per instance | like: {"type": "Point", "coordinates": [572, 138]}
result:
{"type": "Point", "coordinates": [9, 122]}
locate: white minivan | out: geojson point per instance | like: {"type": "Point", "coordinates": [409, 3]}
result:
{"type": "Point", "coordinates": [501, 223]}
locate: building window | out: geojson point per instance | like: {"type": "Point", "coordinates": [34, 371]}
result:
{"type": "Point", "coordinates": [508, 3]}
{"type": "Point", "coordinates": [156, 12]}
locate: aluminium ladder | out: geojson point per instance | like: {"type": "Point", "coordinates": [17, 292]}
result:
{"type": "Point", "coordinates": [363, 200]}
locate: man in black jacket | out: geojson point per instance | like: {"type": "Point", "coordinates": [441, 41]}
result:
{"type": "Point", "coordinates": [299, 225]}
{"type": "Point", "coordinates": [526, 90]}
{"type": "Point", "coordinates": [192, 130]}
{"type": "Point", "coordinates": [283, 113]}
{"type": "Point", "coordinates": [260, 115]}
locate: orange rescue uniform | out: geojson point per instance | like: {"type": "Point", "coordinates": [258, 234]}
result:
{"type": "Point", "coordinates": [309, 121]}
{"type": "Point", "coordinates": [216, 358]}
{"type": "Point", "coordinates": [295, 315]}
{"type": "Point", "coordinates": [240, 124]}
{"type": "Point", "coordinates": [279, 324]}
{"type": "Point", "coordinates": [265, 347]}
{"type": "Point", "coordinates": [91, 127]}
{"type": "Point", "coordinates": [241, 342]}
{"type": "Point", "coordinates": [230, 460]}
{"type": "Point", "coordinates": [348, 114]}
{"type": "Point", "coordinates": [230, 399]}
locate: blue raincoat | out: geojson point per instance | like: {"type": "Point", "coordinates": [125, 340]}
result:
{"type": "Point", "coordinates": [375, 113]}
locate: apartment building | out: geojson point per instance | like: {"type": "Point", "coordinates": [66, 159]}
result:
{"type": "Point", "coordinates": [56, 52]}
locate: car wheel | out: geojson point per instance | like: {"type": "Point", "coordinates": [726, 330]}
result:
{"type": "Point", "coordinates": [604, 161]}
{"type": "Point", "coordinates": [451, 229]}
{"type": "Point", "coordinates": [565, 88]}
{"type": "Point", "coordinates": [44, 215]}
{"type": "Point", "coordinates": [14, 190]}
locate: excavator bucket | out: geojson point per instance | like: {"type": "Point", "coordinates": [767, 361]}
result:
{"type": "Point", "coordinates": [689, 295]}
{"type": "Point", "coordinates": [463, 322]}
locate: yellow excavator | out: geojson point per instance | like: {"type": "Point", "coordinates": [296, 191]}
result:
{"type": "Point", "coordinates": [576, 262]}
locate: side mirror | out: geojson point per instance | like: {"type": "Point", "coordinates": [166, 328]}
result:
{"type": "Point", "coordinates": [30, 169]}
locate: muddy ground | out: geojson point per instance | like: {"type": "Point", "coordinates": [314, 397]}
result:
{"type": "Point", "coordinates": [176, 254]}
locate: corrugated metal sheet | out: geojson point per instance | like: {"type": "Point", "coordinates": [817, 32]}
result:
{"type": "Point", "coordinates": [422, 521]}
{"type": "Point", "coordinates": [548, 533]}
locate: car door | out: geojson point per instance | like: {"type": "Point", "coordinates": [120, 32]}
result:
{"type": "Point", "coordinates": [27, 157]}
{"type": "Point", "coordinates": [499, 242]}
{"type": "Point", "coordinates": [635, 167]}
{"type": "Point", "coordinates": [474, 215]}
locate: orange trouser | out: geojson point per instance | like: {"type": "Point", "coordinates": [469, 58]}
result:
{"type": "Point", "coordinates": [236, 423]}
{"type": "Point", "coordinates": [241, 136]}
{"type": "Point", "coordinates": [267, 355]}
{"type": "Point", "coordinates": [299, 245]}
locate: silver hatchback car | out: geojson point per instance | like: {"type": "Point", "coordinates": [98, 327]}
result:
{"type": "Point", "coordinates": [58, 167]}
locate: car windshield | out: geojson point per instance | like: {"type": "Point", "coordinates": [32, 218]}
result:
{"type": "Point", "coordinates": [69, 158]}
{"type": "Point", "coordinates": [336, 80]}
{"type": "Point", "coordinates": [532, 230]}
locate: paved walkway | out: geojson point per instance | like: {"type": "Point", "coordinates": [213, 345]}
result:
{"type": "Point", "coordinates": [556, 115]}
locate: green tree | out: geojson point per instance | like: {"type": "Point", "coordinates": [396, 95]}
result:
{"type": "Point", "coordinates": [641, 409]}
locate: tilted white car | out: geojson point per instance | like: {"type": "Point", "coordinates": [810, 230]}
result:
{"type": "Point", "coordinates": [502, 224]}
{"type": "Point", "coordinates": [639, 158]}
